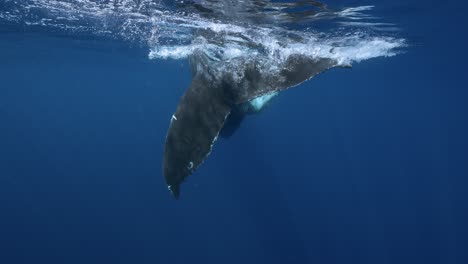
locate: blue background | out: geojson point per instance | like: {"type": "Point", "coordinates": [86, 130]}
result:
{"type": "Point", "coordinates": [361, 165]}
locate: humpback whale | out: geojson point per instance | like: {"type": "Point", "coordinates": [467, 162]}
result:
{"type": "Point", "coordinates": [207, 104]}
{"type": "Point", "coordinates": [240, 67]}
{"type": "Point", "coordinates": [224, 90]}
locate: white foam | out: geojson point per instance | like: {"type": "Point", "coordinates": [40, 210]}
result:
{"type": "Point", "coordinates": [168, 34]}
{"type": "Point", "coordinates": [174, 52]}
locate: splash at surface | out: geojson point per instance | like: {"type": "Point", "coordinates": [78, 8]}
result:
{"type": "Point", "coordinates": [229, 33]}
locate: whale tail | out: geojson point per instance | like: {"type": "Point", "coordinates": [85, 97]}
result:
{"type": "Point", "coordinates": [194, 128]}
{"type": "Point", "coordinates": [206, 104]}
{"type": "Point", "coordinates": [175, 190]}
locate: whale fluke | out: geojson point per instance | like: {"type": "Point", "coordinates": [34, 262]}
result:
{"type": "Point", "coordinates": [194, 128]}
{"type": "Point", "coordinates": [207, 103]}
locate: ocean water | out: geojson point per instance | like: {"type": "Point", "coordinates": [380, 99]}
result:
{"type": "Point", "coordinates": [367, 164]}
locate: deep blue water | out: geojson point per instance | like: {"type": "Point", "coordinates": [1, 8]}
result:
{"type": "Point", "coordinates": [361, 165]}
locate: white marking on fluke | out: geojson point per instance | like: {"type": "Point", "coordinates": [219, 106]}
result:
{"type": "Point", "coordinates": [173, 118]}
{"type": "Point", "coordinates": [259, 102]}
